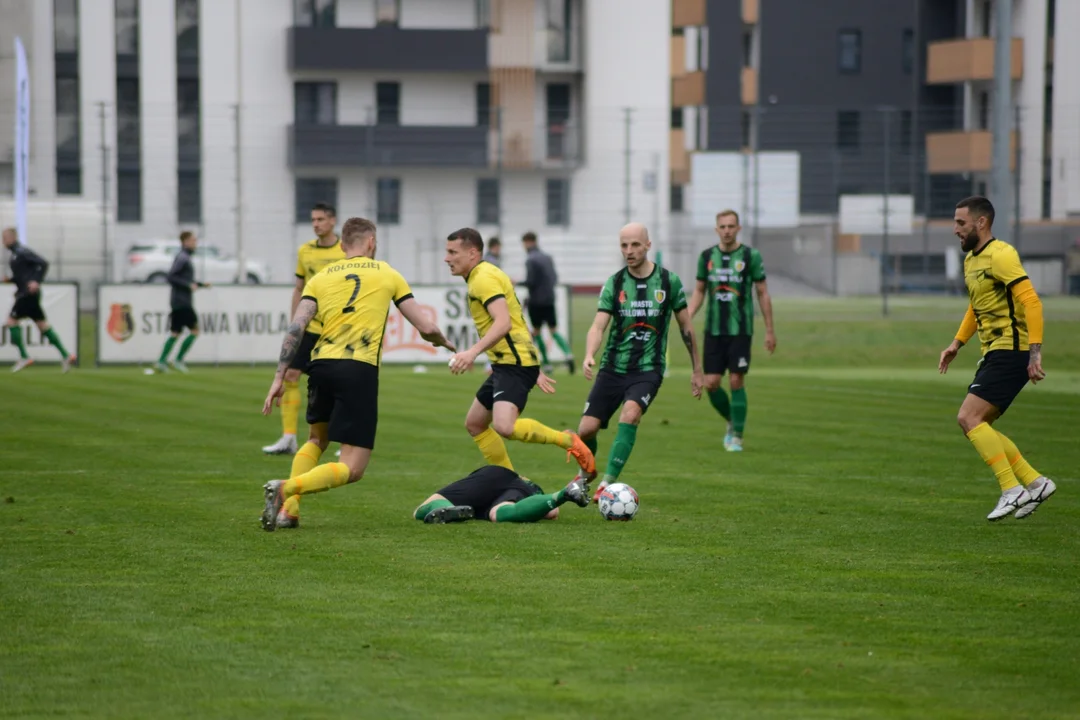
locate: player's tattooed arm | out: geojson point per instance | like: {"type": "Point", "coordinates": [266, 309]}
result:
{"type": "Point", "coordinates": [294, 334]}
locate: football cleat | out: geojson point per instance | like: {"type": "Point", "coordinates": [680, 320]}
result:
{"type": "Point", "coordinates": [735, 445]}
{"type": "Point", "coordinates": [728, 436]}
{"type": "Point", "coordinates": [581, 452]}
{"type": "Point", "coordinates": [1010, 501]}
{"type": "Point", "coordinates": [161, 367]}
{"type": "Point", "coordinates": [600, 489]}
{"type": "Point", "coordinates": [179, 366]}
{"type": "Point", "coordinates": [286, 445]}
{"type": "Point", "coordinates": [578, 492]}
{"type": "Point", "coordinates": [68, 363]}
{"type": "Point", "coordinates": [452, 514]}
{"type": "Point", "coordinates": [1039, 495]}
{"type": "Point", "coordinates": [275, 498]}
{"type": "Point", "coordinates": [20, 364]}
{"type": "Point", "coordinates": [287, 521]}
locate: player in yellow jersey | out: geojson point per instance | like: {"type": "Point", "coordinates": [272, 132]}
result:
{"type": "Point", "coordinates": [515, 368]}
{"type": "Point", "coordinates": [312, 257]}
{"type": "Point", "coordinates": [1007, 313]}
{"type": "Point", "coordinates": [350, 299]}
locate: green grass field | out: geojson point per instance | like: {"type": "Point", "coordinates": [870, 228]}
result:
{"type": "Point", "coordinates": [840, 568]}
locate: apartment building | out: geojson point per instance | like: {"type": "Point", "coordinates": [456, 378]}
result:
{"type": "Point", "coordinates": [234, 116]}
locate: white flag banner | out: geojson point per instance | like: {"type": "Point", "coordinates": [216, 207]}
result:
{"type": "Point", "coordinates": [22, 139]}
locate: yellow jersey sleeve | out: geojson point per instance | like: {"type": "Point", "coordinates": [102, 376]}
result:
{"type": "Point", "coordinates": [300, 271]}
{"type": "Point", "coordinates": [402, 291]}
{"type": "Point", "coordinates": [312, 290]}
{"type": "Point", "coordinates": [486, 288]}
{"type": "Point", "coordinates": [1006, 267]}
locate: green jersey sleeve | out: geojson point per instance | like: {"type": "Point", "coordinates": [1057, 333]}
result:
{"type": "Point", "coordinates": [703, 266]}
{"type": "Point", "coordinates": [607, 297]}
{"type": "Point", "coordinates": [678, 294]}
{"type": "Point", "coordinates": [757, 266]}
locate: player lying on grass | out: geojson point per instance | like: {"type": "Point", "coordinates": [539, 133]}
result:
{"type": "Point", "coordinates": [500, 495]}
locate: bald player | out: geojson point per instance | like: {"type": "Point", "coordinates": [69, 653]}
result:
{"type": "Point", "coordinates": [637, 303]}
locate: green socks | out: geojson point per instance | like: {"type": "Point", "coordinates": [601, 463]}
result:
{"type": "Point", "coordinates": [738, 411]}
{"type": "Point", "coordinates": [167, 349]}
{"type": "Point", "coordinates": [185, 346]}
{"type": "Point", "coordinates": [563, 345]}
{"type": "Point", "coordinates": [16, 339]}
{"type": "Point", "coordinates": [54, 340]}
{"type": "Point", "coordinates": [530, 509]}
{"type": "Point", "coordinates": [542, 347]}
{"type": "Point", "coordinates": [719, 400]}
{"type": "Point", "coordinates": [620, 451]}
{"type": "Point", "coordinates": [423, 510]}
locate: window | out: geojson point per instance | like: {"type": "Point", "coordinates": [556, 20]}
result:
{"type": "Point", "coordinates": [483, 13]}
{"type": "Point", "coordinates": [187, 29]}
{"type": "Point", "coordinates": [65, 26]}
{"type": "Point", "coordinates": [128, 196]}
{"type": "Point", "coordinates": [387, 103]}
{"type": "Point", "coordinates": [68, 182]}
{"type": "Point", "coordinates": [677, 198]}
{"type": "Point", "coordinates": [387, 12]}
{"type": "Point", "coordinates": [483, 104]}
{"type": "Point", "coordinates": [907, 51]}
{"type": "Point", "coordinates": [850, 58]}
{"type": "Point", "coordinates": [558, 201]}
{"type": "Point", "coordinates": [905, 130]}
{"type": "Point", "coordinates": [189, 196]}
{"type": "Point", "coordinates": [557, 99]}
{"type": "Point", "coordinates": [127, 27]}
{"type": "Point", "coordinates": [310, 191]}
{"type": "Point", "coordinates": [984, 110]}
{"type": "Point", "coordinates": [558, 30]}
{"type": "Point", "coordinates": [388, 201]}
{"type": "Point", "coordinates": [315, 103]}
{"type": "Point", "coordinates": [748, 48]}
{"type": "Point", "coordinates": [487, 201]}
{"type": "Point", "coordinates": [187, 115]}
{"type": "Point", "coordinates": [315, 13]}
{"type": "Point", "coordinates": [848, 129]}
{"type": "Point", "coordinates": [127, 120]}
{"type": "Point", "coordinates": [746, 125]}
{"type": "Point", "coordinates": [987, 18]}
{"type": "Point", "coordinates": [676, 118]}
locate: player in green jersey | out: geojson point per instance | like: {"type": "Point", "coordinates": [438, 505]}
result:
{"type": "Point", "coordinates": [638, 302]}
{"type": "Point", "coordinates": [724, 276]}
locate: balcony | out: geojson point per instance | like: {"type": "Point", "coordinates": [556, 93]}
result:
{"type": "Point", "coordinates": [961, 151]}
{"type": "Point", "coordinates": [750, 11]}
{"type": "Point", "coordinates": [685, 13]}
{"type": "Point", "coordinates": [387, 48]}
{"type": "Point", "coordinates": [320, 146]}
{"type": "Point", "coordinates": [749, 82]}
{"type": "Point", "coordinates": [688, 90]}
{"type": "Point", "coordinates": [680, 157]}
{"type": "Point", "coordinates": [678, 55]}
{"type": "Point", "coordinates": [525, 145]}
{"type": "Point", "coordinates": [955, 61]}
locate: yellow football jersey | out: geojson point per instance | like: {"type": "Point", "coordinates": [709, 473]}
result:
{"type": "Point", "coordinates": [487, 283]}
{"type": "Point", "coordinates": [354, 297]}
{"type": "Point", "coordinates": [310, 259]}
{"type": "Point", "coordinates": [990, 275]}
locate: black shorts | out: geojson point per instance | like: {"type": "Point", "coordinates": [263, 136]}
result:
{"type": "Point", "coordinates": [541, 315]}
{"type": "Point", "coordinates": [611, 390]}
{"type": "Point", "coordinates": [510, 383]}
{"type": "Point", "coordinates": [1002, 374]}
{"type": "Point", "coordinates": [344, 393]}
{"type": "Point", "coordinates": [487, 487]}
{"type": "Point", "coordinates": [28, 306]}
{"type": "Point", "coordinates": [303, 353]}
{"type": "Point", "coordinates": [726, 353]}
{"type": "Point", "coordinates": [181, 318]}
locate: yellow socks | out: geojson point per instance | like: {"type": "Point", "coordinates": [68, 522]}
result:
{"type": "Point", "coordinates": [303, 461]}
{"type": "Point", "coordinates": [493, 448]}
{"type": "Point", "coordinates": [988, 444]}
{"type": "Point", "coordinates": [290, 408]}
{"type": "Point", "coordinates": [1020, 467]}
{"type": "Point", "coordinates": [320, 479]}
{"type": "Point", "coordinates": [531, 431]}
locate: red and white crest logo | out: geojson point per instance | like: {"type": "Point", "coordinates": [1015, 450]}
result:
{"type": "Point", "coordinates": [121, 325]}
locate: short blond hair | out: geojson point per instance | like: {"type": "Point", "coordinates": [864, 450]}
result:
{"type": "Point", "coordinates": [729, 211]}
{"type": "Point", "coordinates": [356, 229]}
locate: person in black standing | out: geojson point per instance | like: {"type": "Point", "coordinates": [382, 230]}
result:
{"type": "Point", "coordinates": [182, 315]}
{"type": "Point", "coordinates": [28, 272]}
{"type": "Point", "coordinates": [540, 279]}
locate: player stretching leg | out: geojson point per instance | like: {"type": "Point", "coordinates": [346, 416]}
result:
{"type": "Point", "coordinates": [638, 302]}
{"type": "Point", "coordinates": [505, 338]}
{"type": "Point", "coordinates": [724, 275]}
{"type": "Point", "coordinates": [28, 272]}
{"type": "Point", "coordinates": [312, 257]}
{"type": "Point", "coordinates": [350, 300]}
{"type": "Point", "coordinates": [499, 495]}
{"type": "Point", "coordinates": [1007, 313]}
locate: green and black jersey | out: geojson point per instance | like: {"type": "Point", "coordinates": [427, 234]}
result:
{"type": "Point", "coordinates": [640, 310]}
{"type": "Point", "coordinates": [729, 297]}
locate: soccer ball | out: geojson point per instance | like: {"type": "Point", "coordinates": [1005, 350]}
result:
{"type": "Point", "coordinates": [618, 501]}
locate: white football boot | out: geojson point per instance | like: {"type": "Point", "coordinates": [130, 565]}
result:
{"type": "Point", "coordinates": [69, 362]}
{"type": "Point", "coordinates": [23, 363]}
{"type": "Point", "coordinates": [1011, 500]}
{"type": "Point", "coordinates": [1040, 491]}
{"type": "Point", "coordinates": [286, 445]}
